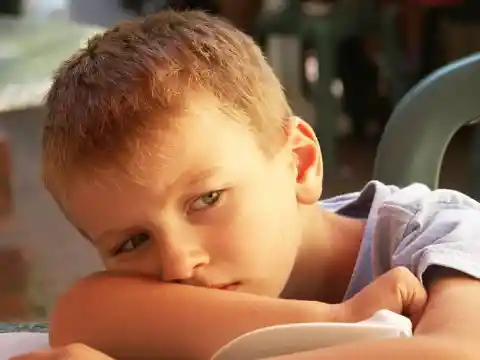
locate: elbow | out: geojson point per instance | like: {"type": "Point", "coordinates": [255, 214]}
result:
{"type": "Point", "coordinates": [72, 318]}
{"type": "Point", "coordinates": [58, 334]}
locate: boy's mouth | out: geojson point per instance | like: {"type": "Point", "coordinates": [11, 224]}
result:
{"type": "Point", "coordinates": [230, 287]}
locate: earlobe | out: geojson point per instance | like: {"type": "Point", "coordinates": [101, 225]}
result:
{"type": "Point", "coordinates": [308, 160]}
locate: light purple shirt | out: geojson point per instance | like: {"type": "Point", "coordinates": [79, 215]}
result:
{"type": "Point", "coordinates": [413, 227]}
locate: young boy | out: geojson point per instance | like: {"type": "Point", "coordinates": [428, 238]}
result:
{"type": "Point", "coordinates": [170, 145]}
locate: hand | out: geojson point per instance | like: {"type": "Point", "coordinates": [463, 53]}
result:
{"type": "Point", "coordinates": [397, 290]}
{"type": "Point", "coordinates": [69, 352]}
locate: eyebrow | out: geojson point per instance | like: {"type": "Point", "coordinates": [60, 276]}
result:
{"type": "Point", "coordinates": [102, 237]}
{"type": "Point", "coordinates": [195, 177]}
{"type": "Point", "coordinates": [98, 239]}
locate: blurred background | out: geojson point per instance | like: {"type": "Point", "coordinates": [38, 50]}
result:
{"type": "Point", "coordinates": [347, 68]}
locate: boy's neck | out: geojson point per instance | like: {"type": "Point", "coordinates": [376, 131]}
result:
{"type": "Point", "coordinates": [326, 257]}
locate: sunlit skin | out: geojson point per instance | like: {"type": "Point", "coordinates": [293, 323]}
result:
{"type": "Point", "coordinates": [213, 209]}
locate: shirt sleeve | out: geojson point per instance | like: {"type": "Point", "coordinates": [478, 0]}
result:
{"type": "Point", "coordinates": [417, 228]}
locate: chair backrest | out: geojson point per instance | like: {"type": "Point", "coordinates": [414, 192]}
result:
{"type": "Point", "coordinates": [425, 120]}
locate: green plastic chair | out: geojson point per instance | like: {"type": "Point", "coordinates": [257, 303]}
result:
{"type": "Point", "coordinates": [424, 122]}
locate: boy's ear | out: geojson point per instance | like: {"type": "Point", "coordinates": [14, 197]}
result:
{"type": "Point", "coordinates": [307, 160]}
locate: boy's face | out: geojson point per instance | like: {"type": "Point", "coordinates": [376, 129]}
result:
{"type": "Point", "coordinates": [214, 210]}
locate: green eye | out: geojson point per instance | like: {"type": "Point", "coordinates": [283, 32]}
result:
{"type": "Point", "coordinates": [205, 201]}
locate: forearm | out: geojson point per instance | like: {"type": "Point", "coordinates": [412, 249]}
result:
{"type": "Point", "coordinates": [421, 348]}
{"type": "Point", "coordinates": [128, 318]}
{"type": "Point", "coordinates": [448, 329]}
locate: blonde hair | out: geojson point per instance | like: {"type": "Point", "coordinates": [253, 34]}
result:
{"type": "Point", "coordinates": [138, 76]}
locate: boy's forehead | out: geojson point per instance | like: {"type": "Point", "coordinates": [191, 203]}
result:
{"type": "Point", "coordinates": [203, 140]}
{"type": "Point", "coordinates": [203, 127]}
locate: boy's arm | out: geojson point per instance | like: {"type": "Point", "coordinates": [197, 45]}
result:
{"type": "Point", "coordinates": [131, 318]}
{"type": "Point", "coordinates": [452, 308]}
{"type": "Point", "coordinates": [448, 329]}
{"type": "Point", "coordinates": [141, 318]}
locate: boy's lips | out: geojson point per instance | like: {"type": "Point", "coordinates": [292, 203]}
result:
{"type": "Point", "coordinates": [231, 286]}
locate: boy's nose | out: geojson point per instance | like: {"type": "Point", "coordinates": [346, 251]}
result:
{"type": "Point", "coordinates": [180, 263]}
